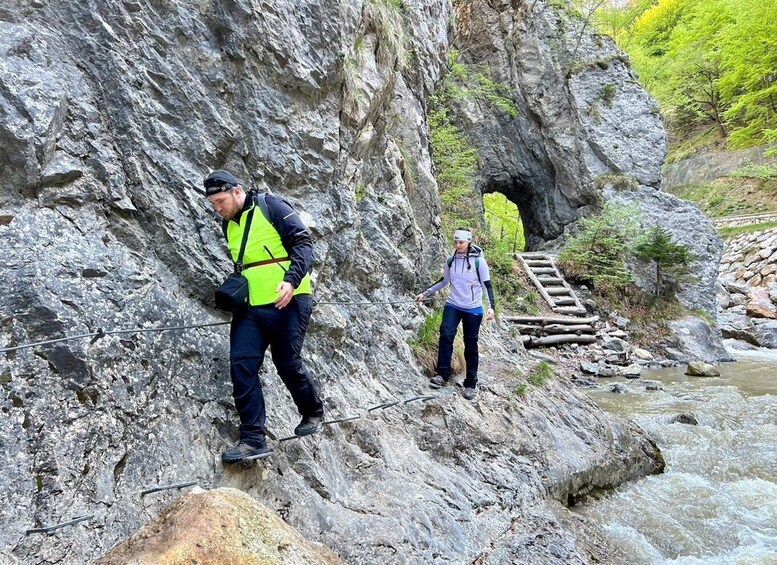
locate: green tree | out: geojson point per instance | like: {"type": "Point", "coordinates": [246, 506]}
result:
{"type": "Point", "coordinates": [708, 62]}
{"type": "Point", "coordinates": [597, 253]}
{"type": "Point", "coordinates": [671, 260]}
{"type": "Point", "coordinates": [504, 221]}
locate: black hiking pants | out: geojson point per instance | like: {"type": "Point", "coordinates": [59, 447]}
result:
{"type": "Point", "coordinates": [450, 323]}
{"type": "Point", "coordinates": [283, 331]}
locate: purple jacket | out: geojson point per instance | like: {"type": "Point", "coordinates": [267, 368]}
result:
{"type": "Point", "coordinates": [466, 289]}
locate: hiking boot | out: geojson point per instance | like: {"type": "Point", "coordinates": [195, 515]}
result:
{"type": "Point", "coordinates": [469, 393]}
{"type": "Point", "coordinates": [437, 382]}
{"type": "Point", "coordinates": [244, 452]}
{"type": "Point", "coordinates": [308, 425]}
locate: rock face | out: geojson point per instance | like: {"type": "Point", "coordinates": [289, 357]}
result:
{"type": "Point", "coordinates": [220, 526]}
{"type": "Point", "coordinates": [581, 132]}
{"type": "Point", "coordinates": [110, 115]}
{"type": "Point", "coordinates": [582, 122]}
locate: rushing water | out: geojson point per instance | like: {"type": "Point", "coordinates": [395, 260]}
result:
{"type": "Point", "coordinates": [717, 500]}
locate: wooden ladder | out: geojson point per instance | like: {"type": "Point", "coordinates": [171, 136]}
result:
{"type": "Point", "coordinates": [551, 285]}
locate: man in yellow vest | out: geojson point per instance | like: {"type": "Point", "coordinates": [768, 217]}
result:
{"type": "Point", "coordinates": [277, 262]}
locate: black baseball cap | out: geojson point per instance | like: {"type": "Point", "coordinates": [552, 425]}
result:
{"type": "Point", "coordinates": [219, 181]}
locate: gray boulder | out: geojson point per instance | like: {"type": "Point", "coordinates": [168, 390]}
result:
{"type": "Point", "coordinates": [699, 369]}
{"type": "Point", "coordinates": [684, 418]}
{"type": "Point", "coordinates": [615, 344]}
{"type": "Point", "coordinates": [589, 368]}
{"type": "Point", "coordinates": [722, 296]}
{"type": "Point", "coordinates": [737, 326]}
{"type": "Point", "coordinates": [735, 287]}
{"type": "Point", "coordinates": [631, 372]}
{"type": "Point", "coordinates": [698, 340]}
{"type": "Point", "coordinates": [765, 333]}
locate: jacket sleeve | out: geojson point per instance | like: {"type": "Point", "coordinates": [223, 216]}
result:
{"type": "Point", "coordinates": [441, 283]}
{"type": "Point", "coordinates": [294, 236]}
{"type": "Point", "coordinates": [485, 277]}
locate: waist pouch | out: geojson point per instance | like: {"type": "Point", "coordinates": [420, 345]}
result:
{"type": "Point", "coordinates": [232, 294]}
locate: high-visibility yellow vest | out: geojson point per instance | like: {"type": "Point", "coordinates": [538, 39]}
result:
{"type": "Point", "coordinates": [264, 243]}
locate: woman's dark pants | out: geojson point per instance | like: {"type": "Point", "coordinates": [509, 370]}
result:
{"type": "Point", "coordinates": [450, 323]}
{"type": "Point", "coordinates": [283, 331]}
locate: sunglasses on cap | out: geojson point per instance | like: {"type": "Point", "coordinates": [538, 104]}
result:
{"type": "Point", "coordinates": [214, 186]}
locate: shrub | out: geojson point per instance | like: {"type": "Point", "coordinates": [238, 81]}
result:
{"type": "Point", "coordinates": [386, 19]}
{"type": "Point", "coordinates": [424, 346]}
{"type": "Point", "coordinates": [596, 254]}
{"type": "Point", "coordinates": [542, 373]}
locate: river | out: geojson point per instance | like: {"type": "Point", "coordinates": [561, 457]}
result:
{"type": "Point", "coordinates": [716, 502]}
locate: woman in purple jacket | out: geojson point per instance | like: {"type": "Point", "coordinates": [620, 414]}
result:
{"type": "Point", "coordinates": [467, 273]}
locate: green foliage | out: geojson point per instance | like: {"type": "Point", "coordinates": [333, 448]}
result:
{"type": "Point", "coordinates": [456, 161]}
{"type": "Point", "coordinates": [671, 260]}
{"type": "Point", "coordinates": [728, 233]}
{"type": "Point", "coordinates": [542, 373]}
{"type": "Point", "coordinates": [608, 94]}
{"type": "Point", "coordinates": [386, 19]}
{"type": "Point", "coordinates": [522, 389]}
{"type": "Point", "coordinates": [455, 158]}
{"type": "Point", "coordinates": [649, 313]}
{"type": "Point", "coordinates": [763, 172]}
{"type": "Point", "coordinates": [504, 221]}
{"type": "Point", "coordinates": [464, 81]}
{"type": "Point", "coordinates": [428, 332]}
{"type": "Point", "coordinates": [709, 62]}
{"type": "Point", "coordinates": [360, 192]}
{"type": "Point", "coordinates": [617, 181]}
{"type": "Point", "coordinates": [504, 237]}
{"type": "Point", "coordinates": [597, 253]}
{"type": "Point", "coordinates": [711, 320]}
{"type": "Point", "coordinates": [497, 94]}
{"type": "Point", "coordinates": [751, 191]}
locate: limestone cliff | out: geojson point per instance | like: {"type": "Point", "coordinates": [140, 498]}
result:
{"type": "Point", "coordinates": [111, 112]}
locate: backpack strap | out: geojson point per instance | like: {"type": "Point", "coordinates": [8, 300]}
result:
{"type": "Point", "coordinates": [261, 202]}
{"type": "Point", "coordinates": [239, 263]}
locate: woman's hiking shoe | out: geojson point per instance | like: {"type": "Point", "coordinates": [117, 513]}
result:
{"type": "Point", "coordinates": [469, 393]}
{"type": "Point", "coordinates": [308, 425]}
{"type": "Point", "coordinates": [437, 382]}
{"type": "Point", "coordinates": [244, 452]}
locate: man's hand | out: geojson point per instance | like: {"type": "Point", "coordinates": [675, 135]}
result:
{"type": "Point", "coordinates": [490, 314]}
{"type": "Point", "coordinates": [286, 292]}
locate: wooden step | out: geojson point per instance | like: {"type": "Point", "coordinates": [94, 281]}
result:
{"type": "Point", "coordinates": [531, 341]}
{"type": "Point", "coordinates": [534, 255]}
{"type": "Point", "coordinates": [550, 320]}
{"type": "Point", "coordinates": [550, 281]}
{"type": "Point", "coordinates": [557, 290]}
{"type": "Point", "coordinates": [564, 301]}
{"type": "Point", "coordinates": [543, 270]}
{"type": "Point", "coordinates": [555, 329]}
{"type": "Point", "coordinates": [573, 310]}
{"type": "Point", "coordinates": [539, 263]}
